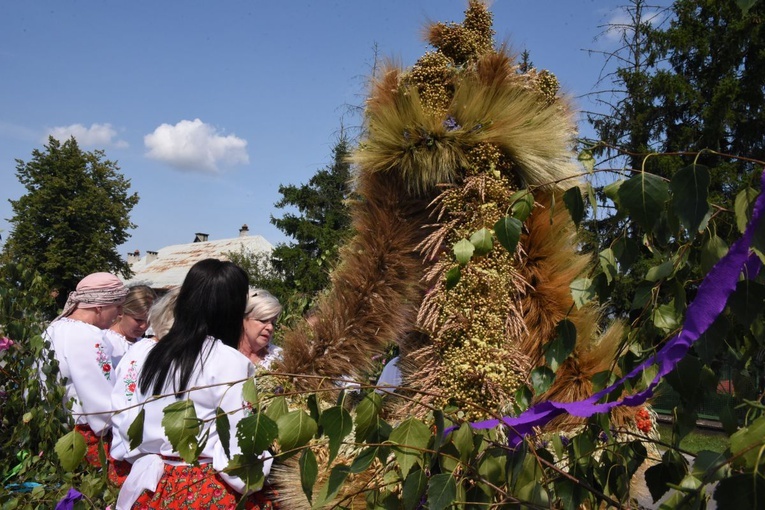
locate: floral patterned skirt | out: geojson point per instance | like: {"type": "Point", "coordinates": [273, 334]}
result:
{"type": "Point", "coordinates": [117, 469]}
{"type": "Point", "coordinates": [197, 487]}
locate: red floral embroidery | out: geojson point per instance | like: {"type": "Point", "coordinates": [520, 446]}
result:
{"type": "Point", "coordinates": [103, 361]}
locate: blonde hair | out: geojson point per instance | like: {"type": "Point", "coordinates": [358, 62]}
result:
{"type": "Point", "coordinates": [162, 314]}
{"type": "Point", "coordinates": [262, 305]}
{"type": "Point", "coordinates": [138, 301]}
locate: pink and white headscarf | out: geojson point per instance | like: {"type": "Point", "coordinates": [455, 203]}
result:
{"type": "Point", "coordinates": [97, 289]}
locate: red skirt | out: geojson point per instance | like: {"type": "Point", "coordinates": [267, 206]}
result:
{"type": "Point", "coordinates": [117, 470]}
{"type": "Point", "coordinates": [198, 487]}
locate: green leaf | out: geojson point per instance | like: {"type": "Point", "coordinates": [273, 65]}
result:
{"type": "Point", "coordinates": [541, 379]}
{"type": "Point", "coordinates": [249, 469]}
{"type": "Point", "coordinates": [747, 444]}
{"type": "Point", "coordinates": [181, 428]}
{"type": "Point", "coordinates": [367, 415]}
{"type": "Point", "coordinates": [463, 251]}
{"type": "Point", "coordinates": [573, 200]}
{"type": "Point", "coordinates": [747, 302]}
{"type": "Point", "coordinates": [626, 251]}
{"type": "Point", "coordinates": [608, 264]}
{"type": "Point", "coordinates": [296, 428]}
{"type": "Point", "coordinates": [256, 433]}
{"type": "Point", "coordinates": [71, 450]}
{"type": "Point", "coordinates": [612, 191]}
{"type": "Point", "coordinates": [587, 160]}
{"type": "Point", "coordinates": [223, 427]}
{"type": "Point", "coordinates": [250, 392]}
{"type": "Point", "coordinates": [442, 491]}
{"type": "Point", "coordinates": [592, 199]}
{"type": "Point", "coordinates": [363, 460]}
{"type": "Point", "coordinates": [135, 431]}
{"type": "Point", "coordinates": [740, 491]}
{"type": "Point", "coordinates": [277, 408]}
{"type": "Point", "coordinates": [414, 487]}
{"type": "Point", "coordinates": [660, 272]}
{"type": "Point", "coordinates": [336, 423]}
{"type": "Point", "coordinates": [713, 249]}
{"type": "Point", "coordinates": [706, 461]}
{"type": "Point", "coordinates": [453, 276]}
{"type": "Point", "coordinates": [309, 470]}
{"type": "Point", "coordinates": [523, 398]}
{"type": "Point", "coordinates": [643, 294]}
{"type": "Point", "coordinates": [337, 477]}
{"type": "Point", "coordinates": [690, 196]}
{"type": "Point", "coordinates": [670, 470]}
{"type": "Point", "coordinates": [410, 438]}
{"type": "Point", "coordinates": [535, 494]}
{"type": "Point", "coordinates": [521, 204]}
{"type": "Point", "coordinates": [562, 345]}
{"type": "Point", "coordinates": [491, 469]}
{"type": "Point", "coordinates": [463, 441]}
{"type": "Point", "coordinates": [582, 291]}
{"type": "Point", "coordinates": [482, 241]}
{"type": "Point", "coordinates": [313, 407]}
{"type": "Point", "coordinates": [508, 232]}
{"type": "Point", "coordinates": [665, 318]}
{"type": "Point", "coordinates": [743, 207]}
{"type": "Point", "coordinates": [643, 196]}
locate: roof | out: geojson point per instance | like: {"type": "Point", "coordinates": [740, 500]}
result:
{"type": "Point", "coordinates": [169, 266]}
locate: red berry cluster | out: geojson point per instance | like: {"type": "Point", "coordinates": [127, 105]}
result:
{"type": "Point", "coordinates": [643, 419]}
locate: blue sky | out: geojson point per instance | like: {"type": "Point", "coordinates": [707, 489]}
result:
{"type": "Point", "coordinates": [209, 106]}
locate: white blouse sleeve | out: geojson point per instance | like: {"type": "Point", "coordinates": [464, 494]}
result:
{"type": "Point", "coordinates": [90, 366]}
{"type": "Point", "coordinates": [233, 403]}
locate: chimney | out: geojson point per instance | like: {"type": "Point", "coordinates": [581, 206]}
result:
{"type": "Point", "coordinates": [199, 237]}
{"type": "Point", "coordinates": [244, 231]}
{"type": "Point", "coordinates": [151, 256]}
{"type": "Point", "coordinates": [133, 257]}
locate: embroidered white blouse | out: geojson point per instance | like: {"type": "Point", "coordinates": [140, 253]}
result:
{"type": "Point", "coordinates": [85, 359]}
{"type": "Point", "coordinates": [220, 379]}
{"type": "Point", "coordinates": [119, 343]}
{"type": "Point", "coordinates": [274, 353]}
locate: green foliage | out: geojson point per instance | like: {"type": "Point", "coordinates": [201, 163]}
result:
{"type": "Point", "coordinates": [319, 228]}
{"type": "Point", "coordinates": [182, 427]}
{"type": "Point", "coordinates": [37, 440]}
{"type": "Point", "coordinates": [55, 230]}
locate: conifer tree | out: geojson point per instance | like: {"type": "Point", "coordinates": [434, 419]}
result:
{"type": "Point", "coordinates": [318, 228]}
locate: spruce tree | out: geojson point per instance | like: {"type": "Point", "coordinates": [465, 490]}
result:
{"type": "Point", "coordinates": [321, 224]}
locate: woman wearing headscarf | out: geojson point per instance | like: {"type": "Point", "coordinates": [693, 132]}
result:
{"type": "Point", "coordinates": [260, 318]}
{"type": "Point", "coordinates": [198, 361]}
{"type": "Point", "coordinates": [84, 356]}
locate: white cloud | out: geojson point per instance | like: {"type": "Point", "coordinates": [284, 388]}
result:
{"type": "Point", "coordinates": [621, 22]}
{"type": "Point", "coordinates": [97, 135]}
{"type": "Point", "coordinates": [194, 145]}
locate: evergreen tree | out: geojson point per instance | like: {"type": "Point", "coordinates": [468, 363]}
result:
{"type": "Point", "coordinates": [74, 215]}
{"type": "Point", "coordinates": [697, 84]}
{"type": "Point", "coordinates": [321, 224]}
{"type": "Point", "coordinates": [693, 82]}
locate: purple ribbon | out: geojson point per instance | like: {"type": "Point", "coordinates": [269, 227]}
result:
{"type": "Point", "coordinates": [68, 501]}
{"type": "Point", "coordinates": [710, 301]}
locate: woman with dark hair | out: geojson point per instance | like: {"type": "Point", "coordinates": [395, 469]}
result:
{"type": "Point", "coordinates": [197, 360]}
